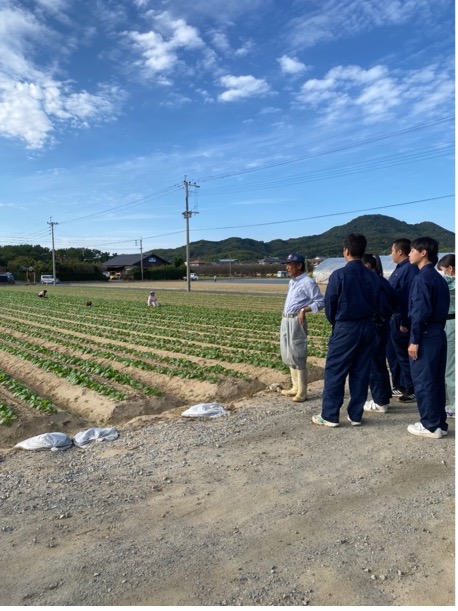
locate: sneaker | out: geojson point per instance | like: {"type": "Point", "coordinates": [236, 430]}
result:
{"type": "Point", "coordinates": [407, 398]}
{"type": "Point", "coordinates": [419, 429]}
{"type": "Point", "coordinates": [450, 411]}
{"type": "Point", "coordinates": [319, 420]}
{"type": "Point", "coordinates": [398, 391]}
{"type": "Point", "coordinates": [450, 414]}
{"type": "Point", "coordinates": [371, 406]}
{"type": "Point", "coordinates": [353, 423]}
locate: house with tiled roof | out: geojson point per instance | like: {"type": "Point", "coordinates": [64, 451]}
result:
{"type": "Point", "coordinates": [122, 263]}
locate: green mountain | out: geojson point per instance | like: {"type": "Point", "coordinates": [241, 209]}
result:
{"type": "Point", "coordinates": [381, 231]}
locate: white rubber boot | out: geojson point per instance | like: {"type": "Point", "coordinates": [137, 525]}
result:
{"type": "Point", "coordinates": [301, 386]}
{"type": "Point", "coordinates": [294, 389]}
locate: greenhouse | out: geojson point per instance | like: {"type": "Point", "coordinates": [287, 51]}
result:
{"type": "Point", "coordinates": [322, 271]}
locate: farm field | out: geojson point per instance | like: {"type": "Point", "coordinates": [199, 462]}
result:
{"type": "Point", "coordinates": [64, 365]}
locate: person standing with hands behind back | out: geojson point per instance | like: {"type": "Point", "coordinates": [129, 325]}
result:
{"type": "Point", "coordinates": [303, 296]}
{"type": "Point", "coordinates": [429, 301]}
{"type": "Point", "coordinates": [352, 300]}
{"type": "Point", "coordinates": [401, 280]}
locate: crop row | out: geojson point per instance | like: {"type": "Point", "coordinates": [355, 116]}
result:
{"type": "Point", "coordinates": [122, 354]}
{"type": "Point", "coordinates": [165, 332]}
{"type": "Point", "coordinates": [28, 396]}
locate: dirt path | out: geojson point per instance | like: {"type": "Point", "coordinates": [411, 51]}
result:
{"type": "Point", "coordinates": [256, 508]}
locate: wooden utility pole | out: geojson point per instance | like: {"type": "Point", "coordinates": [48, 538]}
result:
{"type": "Point", "coordinates": [187, 215]}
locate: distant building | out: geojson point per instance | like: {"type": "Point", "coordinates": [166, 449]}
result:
{"type": "Point", "coordinates": [270, 261]}
{"type": "Point", "coordinates": [198, 262]}
{"type": "Point", "coordinates": [121, 263]}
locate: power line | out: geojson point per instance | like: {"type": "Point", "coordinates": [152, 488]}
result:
{"type": "Point", "coordinates": [308, 218]}
{"type": "Point", "coordinates": [332, 150]}
{"type": "Point", "coordinates": [347, 169]}
{"type": "Point", "coordinates": [322, 216]}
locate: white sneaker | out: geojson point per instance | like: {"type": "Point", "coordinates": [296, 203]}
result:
{"type": "Point", "coordinates": [353, 422]}
{"type": "Point", "coordinates": [419, 429]}
{"type": "Point", "coordinates": [371, 406]}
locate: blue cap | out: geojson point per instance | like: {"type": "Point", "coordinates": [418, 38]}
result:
{"type": "Point", "coordinates": [294, 257]}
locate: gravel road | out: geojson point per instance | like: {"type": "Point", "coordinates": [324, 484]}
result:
{"type": "Point", "coordinates": [260, 507]}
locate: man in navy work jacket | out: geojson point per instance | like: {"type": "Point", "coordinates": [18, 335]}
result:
{"type": "Point", "coordinates": [352, 300]}
{"type": "Point", "coordinates": [401, 281]}
{"type": "Point", "coordinates": [428, 308]}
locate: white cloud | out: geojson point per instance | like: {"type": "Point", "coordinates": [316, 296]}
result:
{"type": "Point", "coordinates": [159, 48]}
{"type": "Point", "coordinates": [240, 87]}
{"type": "Point", "coordinates": [31, 111]}
{"type": "Point", "coordinates": [376, 92]}
{"type": "Point", "coordinates": [33, 104]}
{"type": "Point", "coordinates": [336, 19]}
{"type": "Point", "coordinates": [245, 49]}
{"type": "Point", "coordinates": [291, 65]}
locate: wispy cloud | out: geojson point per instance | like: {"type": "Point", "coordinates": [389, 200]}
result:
{"type": "Point", "coordinates": [240, 87]}
{"type": "Point", "coordinates": [376, 92]}
{"type": "Point", "coordinates": [336, 19]}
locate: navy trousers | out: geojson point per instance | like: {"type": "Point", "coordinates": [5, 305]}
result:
{"type": "Point", "coordinates": [428, 373]}
{"type": "Point", "coordinates": [379, 381]}
{"type": "Point", "coordinates": [400, 343]}
{"type": "Point", "coordinates": [349, 354]}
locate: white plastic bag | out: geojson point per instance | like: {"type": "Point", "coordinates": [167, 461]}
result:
{"type": "Point", "coordinates": [83, 438]}
{"type": "Point", "coordinates": [209, 410]}
{"type": "Point", "coordinates": [56, 442]}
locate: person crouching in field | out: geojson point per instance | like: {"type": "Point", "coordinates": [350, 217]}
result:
{"type": "Point", "coordinates": [152, 300]}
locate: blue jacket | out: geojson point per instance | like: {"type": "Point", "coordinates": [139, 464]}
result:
{"type": "Point", "coordinates": [428, 303]}
{"type": "Point", "coordinates": [352, 294]}
{"type": "Point", "coordinates": [401, 281]}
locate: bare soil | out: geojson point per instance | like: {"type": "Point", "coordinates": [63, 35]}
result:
{"type": "Point", "coordinates": [259, 507]}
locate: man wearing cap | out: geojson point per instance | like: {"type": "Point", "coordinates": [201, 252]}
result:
{"type": "Point", "coordinates": [303, 296]}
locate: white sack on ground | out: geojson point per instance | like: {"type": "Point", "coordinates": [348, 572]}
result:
{"type": "Point", "coordinates": [210, 410]}
{"type": "Point", "coordinates": [83, 438]}
{"type": "Point", "coordinates": [54, 441]}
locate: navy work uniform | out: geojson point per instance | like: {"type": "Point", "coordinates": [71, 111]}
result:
{"type": "Point", "coordinates": [428, 308]}
{"type": "Point", "coordinates": [351, 302]}
{"type": "Point", "coordinates": [379, 381]}
{"type": "Point", "coordinates": [401, 280]}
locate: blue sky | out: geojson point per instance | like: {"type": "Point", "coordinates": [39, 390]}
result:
{"type": "Point", "coordinates": [292, 116]}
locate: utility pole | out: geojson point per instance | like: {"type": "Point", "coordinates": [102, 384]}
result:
{"type": "Point", "coordinates": [50, 222]}
{"type": "Point", "coordinates": [187, 215]}
{"type": "Point", "coordinates": [141, 255]}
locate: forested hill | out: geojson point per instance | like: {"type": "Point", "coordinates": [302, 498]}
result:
{"type": "Point", "coordinates": [381, 231]}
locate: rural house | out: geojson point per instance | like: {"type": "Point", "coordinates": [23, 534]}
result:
{"type": "Point", "coordinates": [122, 263]}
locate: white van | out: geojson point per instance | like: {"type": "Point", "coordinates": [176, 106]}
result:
{"type": "Point", "coordinates": [48, 279]}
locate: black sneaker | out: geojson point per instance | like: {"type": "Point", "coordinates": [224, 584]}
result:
{"type": "Point", "coordinates": [398, 391]}
{"type": "Point", "coordinates": [407, 398]}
